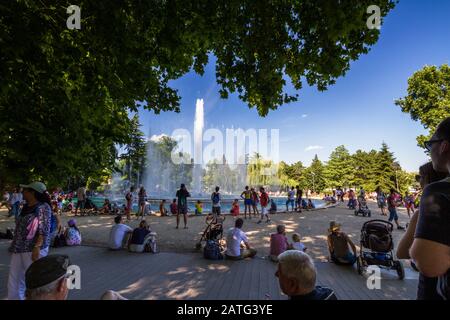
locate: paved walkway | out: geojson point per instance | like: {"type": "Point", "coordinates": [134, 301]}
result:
{"type": "Point", "coordinates": [189, 276]}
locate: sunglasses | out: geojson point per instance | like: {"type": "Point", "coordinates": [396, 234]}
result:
{"type": "Point", "coordinates": [429, 144]}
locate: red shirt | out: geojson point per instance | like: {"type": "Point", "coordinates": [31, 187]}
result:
{"type": "Point", "coordinates": [391, 201]}
{"type": "Point", "coordinates": [264, 199]}
{"type": "Point", "coordinates": [278, 244]}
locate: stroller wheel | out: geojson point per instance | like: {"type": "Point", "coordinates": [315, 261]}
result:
{"type": "Point", "coordinates": [198, 246]}
{"type": "Point", "coordinates": [356, 212]}
{"type": "Point", "coordinates": [369, 213]}
{"type": "Point", "coordinates": [364, 214]}
{"type": "Point", "coordinates": [400, 270]}
{"type": "Point", "coordinates": [359, 265]}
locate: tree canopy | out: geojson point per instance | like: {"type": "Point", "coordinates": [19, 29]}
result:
{"type": "Point", "coordinates": [65, 94]}
{"type": "Point", "coordinates": [428, 99]}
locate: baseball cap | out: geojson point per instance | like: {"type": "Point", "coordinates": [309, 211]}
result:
{"type": "Point", "coordinates": [46, 270]}
{"type": "Point", "coordinates": [37, 186]}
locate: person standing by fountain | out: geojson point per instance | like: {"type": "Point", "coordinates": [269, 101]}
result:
{"type": "Point", "coordinates": [247, 196]}
{"type": "Point", "coordinates": [129, 198]}
{"type": "Point", "coordinates": [142, 195]}
{"type": "Point", "coordinates": [298, 201]}
{"type": "Point", "coordinates": [264, 199]}
{"type": "Point", "coordinates": [215, 198]}
{"type": "Point", "coordinates": [182, 196]}
{"type": "Point", "coordinates": [255, 201]}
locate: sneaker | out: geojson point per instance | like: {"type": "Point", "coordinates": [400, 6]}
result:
{"type": "Point", "coordinates": [259, 222]}
{"type": "Point", "coordinates": [268, 221]}
{"type": "Point", "coordinates": [400, 228]}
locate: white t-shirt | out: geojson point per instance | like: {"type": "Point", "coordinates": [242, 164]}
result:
{"type": "Point", "coordinates": [116, 235]}
{"type": "Point", "coordinates": [298, 246]}
{"type": "Point", "coordinates": [234, 238]}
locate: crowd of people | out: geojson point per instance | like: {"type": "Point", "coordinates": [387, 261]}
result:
{"type": "Point", "coordinates": [34, 274]}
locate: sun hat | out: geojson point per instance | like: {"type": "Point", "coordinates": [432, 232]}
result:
{"type": "Point", "coordinates": [36, 186]}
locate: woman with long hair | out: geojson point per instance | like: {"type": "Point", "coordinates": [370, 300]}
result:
{"type": "Point", "coordinates": [31, 237]}
{"type": "Point", "coordinates": [142, 198]}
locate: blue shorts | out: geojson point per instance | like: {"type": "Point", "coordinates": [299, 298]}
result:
{"type": "Point", "coordinates": [392, 214]}
{"type": "Point", "coordinates": [291, 201]}
{"type": "Point", "coordinates": [248, 202]}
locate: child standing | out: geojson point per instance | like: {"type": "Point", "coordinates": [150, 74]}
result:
{"type": "Point", "coordinates": [264, 200]}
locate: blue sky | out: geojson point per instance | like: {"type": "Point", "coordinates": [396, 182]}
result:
{"type": "Point", "coordinates": [358, 111]}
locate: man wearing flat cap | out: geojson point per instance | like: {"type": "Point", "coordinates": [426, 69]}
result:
{"type": "Point", "coordinates": [46, 278]}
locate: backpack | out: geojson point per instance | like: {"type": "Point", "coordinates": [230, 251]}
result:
{"type": "Point", "coordinates": [215, 198]}
{"type": "Point", "coordinates": [60, 241]}
{"type": "Point", "coordinates": [212, 251]}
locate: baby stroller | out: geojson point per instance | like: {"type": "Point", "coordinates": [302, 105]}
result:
{"type": "Point", "coordinates": [376, 247]}
{"type": "Point", "coordinates": [213, 231]}
{"type": "Point", "coordinates": [362, 207]}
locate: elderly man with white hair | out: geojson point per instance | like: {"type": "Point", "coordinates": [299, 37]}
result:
{"type": "Point", "coordinates": [297, 276]}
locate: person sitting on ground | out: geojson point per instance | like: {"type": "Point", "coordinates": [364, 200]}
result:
{"type": "Point", "coordinates": [310, 205]}
{"type": "Point", "coordinates": [278, 243]}
{"type": "Point", "coordinates": [106, 209]}
{"type": "Point", "coordinates": [142, 236]}
{"type": "Point", "coordinates": [119, 234]}
{"type": "Point", "coordinates": [273, 207]}
{"type": "Point", "coordinates": [47, 279]}
{"type": "Point", "coordinates": [162, 208]}
{"type": "Point", "coordinates": [296, 244]}
{"type": "Point", "coordinates": [235, 237]}
{"type": "Point", "coordinates": [173, 207]}
{"type": "Point", "coordinates": [72, 234]}
{"type": "Point", "coordinates": [297, 277]}
{"type": "Point", "coordinates": [235, 208]}
{"type": "Point", "coordinates": [304, 204]}
{"type": "Point", "coordinates": [198, 207]}
{"type": "Point", "coordinates": [338, 245]}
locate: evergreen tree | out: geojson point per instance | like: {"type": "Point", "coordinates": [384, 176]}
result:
{"type": "Point", "coordinates": [339, 169]}
{"type": "Point", "coordinates": [385, 170]}
{"type": "Point", "coordinates": [315, 175]}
